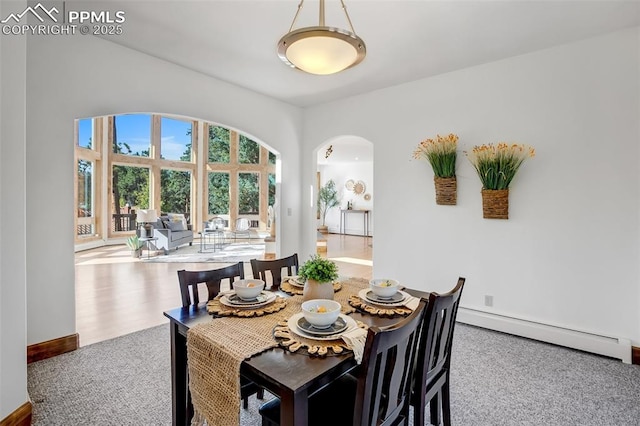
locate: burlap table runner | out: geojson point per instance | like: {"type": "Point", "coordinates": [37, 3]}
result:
{"type": "Point", "coordinates": [215, 351]}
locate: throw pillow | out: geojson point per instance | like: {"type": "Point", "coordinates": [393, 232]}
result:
{"type": "Point", "coordinates": [176, 226]}
{"type": "Point", "coordinates": [178, 217]}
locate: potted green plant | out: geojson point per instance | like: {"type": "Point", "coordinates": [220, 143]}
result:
{"type": "Point", "coordinates": [318, 274]}
{"type": "Point", "coordinates": [327, 199]}
{"type": "Point", "coordinates": [441, 154]}
{"type": "Point", "coordinates": [496, 166]}
{"type": "Point", "coordinates": [134, 243]}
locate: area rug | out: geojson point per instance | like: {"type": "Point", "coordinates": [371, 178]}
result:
{"type": "Point", "coordinates": [496, 379]}
{"type": "Point", "coordinates": [228, 253]}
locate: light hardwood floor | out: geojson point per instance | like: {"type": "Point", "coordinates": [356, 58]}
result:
{"type": "Point", "coordinates": [117, 295]}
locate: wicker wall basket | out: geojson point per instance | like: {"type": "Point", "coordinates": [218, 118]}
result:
{"type": "Point", "coordinates": [446, 191]}
{"type": "Point", "coordinates": [495, 203]}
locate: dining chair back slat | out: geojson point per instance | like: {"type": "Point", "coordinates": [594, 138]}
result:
{"type": "Point", "coordinates": [189, 281]}
{"type": "Point", "coordinates": [385, 376]}
{"type": "Point", "coordinates": [433, 367]}
{"type": "Point", "coordinates": [274, 268]}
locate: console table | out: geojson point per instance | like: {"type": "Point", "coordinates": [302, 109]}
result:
{"type": "Point", "coordinates": [365, 217]}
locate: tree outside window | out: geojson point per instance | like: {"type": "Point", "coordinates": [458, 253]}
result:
{"type": "Point", "coordinates": [248, 151]}
{"type": "Point", "coordinates": [248, 193]}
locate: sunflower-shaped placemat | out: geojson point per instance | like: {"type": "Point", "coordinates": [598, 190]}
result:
{"type": "Point", "coordinates": [292, 342]}
{"type": "Point", "coordinates": [380, 311]}
{"type": "Point", "coordinates": [294, 290]}
{"type": "Point", "coordinates": [214, 307]}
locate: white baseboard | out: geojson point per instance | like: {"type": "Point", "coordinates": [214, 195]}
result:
{"type": "Point", "coordinates": [603, 345]}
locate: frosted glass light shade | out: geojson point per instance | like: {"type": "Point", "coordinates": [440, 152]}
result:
{"type": "Point", "coordinates": [321, 50]}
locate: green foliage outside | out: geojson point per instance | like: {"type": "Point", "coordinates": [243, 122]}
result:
{"type": "Point", "coordinates": [248, 151]}
{"type": "Point", "coordinates": [175, 191]}
{"type": "Point", "coordinates": [218, 144]}
{"type": "Point", "coordinates": [218, 193]}
{"type": "Point", "coordinates": [85, 175]}
{"type": "Point", "coordinates": [131, 184]}
{"type": "Point", "coordinates": [272, 188]}
{"type": "Point", "coordinates": [248, 193]}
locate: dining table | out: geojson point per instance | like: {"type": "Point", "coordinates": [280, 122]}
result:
{"type": "Point", "coordinates": [292, 377]}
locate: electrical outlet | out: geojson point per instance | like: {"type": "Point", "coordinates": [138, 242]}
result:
{"type": "Point", "coordinates": [289, 211]}
{"type": "Point", "coordinates": [488, 300]}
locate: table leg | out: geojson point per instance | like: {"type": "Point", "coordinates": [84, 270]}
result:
{"type": "Point", "coordinates": [294, 410]}
{"type": "Point", "coordinates": [181, 408]}
{"type": "Point", "coordinates": [364, 224]}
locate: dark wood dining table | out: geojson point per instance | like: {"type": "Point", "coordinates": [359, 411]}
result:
{"type": "Point", "coordinates": [292, 377]}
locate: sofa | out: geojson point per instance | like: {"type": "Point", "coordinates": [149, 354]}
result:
{"type": "Point", "coordinates": [172, 231]}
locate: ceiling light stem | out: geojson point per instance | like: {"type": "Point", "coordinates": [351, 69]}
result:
{"type": "Point", "coordinates": [295, 18]}
{"type": "Point", "coordinates": [321, 20]}
{"type": "Point", "coordinates": [344, 7]}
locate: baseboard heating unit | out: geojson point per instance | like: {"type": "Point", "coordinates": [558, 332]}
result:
{"type": "Point", "coordinates": [602, 345]}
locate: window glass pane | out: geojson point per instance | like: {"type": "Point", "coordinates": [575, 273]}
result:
{"type": "Point", "coordinates": [248, 151]}
{"type": "Point", "coordinates": [218, 144]}
{"type": "Point", "coordinates": [85, 174]}
{"type": "Point", "coordinates": [85, 133]}
{"type": "Point", "coordinates": [248, 193]}
{"type": "Point", "coordinates": [272, 189]}
{"type": "Point", "coordinates": [130, 193]}
{"type": "Point", "coordinates": [219, 193]}
{"type": "Point", "coordinates": [175, 139]}
{"type": "Point", "coordinates": [175, 191]}
{"type": "Point", "coordinates": [132, 134]}
{"type": "Point", "coordinates": [272, 158]}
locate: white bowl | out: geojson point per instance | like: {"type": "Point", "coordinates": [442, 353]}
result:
{"type": "Point", "coordinates": [384, 287]}
{"type": "Point", "coordinates": [248, 289]}
{"type": "Point", "coordinates": [321, 313]}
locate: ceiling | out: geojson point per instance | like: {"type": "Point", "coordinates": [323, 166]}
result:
{"type": "Point", "coordinates": [236, 40]}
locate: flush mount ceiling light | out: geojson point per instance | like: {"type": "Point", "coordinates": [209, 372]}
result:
{"type": "Point", "coordinates": [321, 49]}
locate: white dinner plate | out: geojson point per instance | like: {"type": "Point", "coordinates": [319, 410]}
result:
{"type": "Point", "coordinates": [294, 280]}
{"type": "Point", "coordinates": [263, 299]}
{"type": "Point", "coordinates": [293, 326]}
{"type": "Point", "coordinates": [396, 297]}
{"type": "Point", "coordinates": [337, 327]}
{"type": "Point", "coordinates": [362, 294]}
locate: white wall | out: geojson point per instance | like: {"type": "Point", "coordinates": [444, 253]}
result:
{"type": "Point", "coordinates": [13, 319]}
{"type": "Point", "coordinates": [568, 255]}
{"type": "Point", "coordinates": [340, 173]}
{"type": "Point", "coordinates": [72, 77]}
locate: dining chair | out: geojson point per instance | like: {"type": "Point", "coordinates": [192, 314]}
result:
{"type": "Point", "coordinates": [189, 281]}
{"type": "Point", "coordinates": [274, 266]}
{"type": "Point", "coordinates": [378, 392]}
{"type": "Point", "coordinates": [433, 366]}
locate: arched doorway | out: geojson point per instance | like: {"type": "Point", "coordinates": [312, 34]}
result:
{"type": "Point", "coordinates": [347, 161]}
